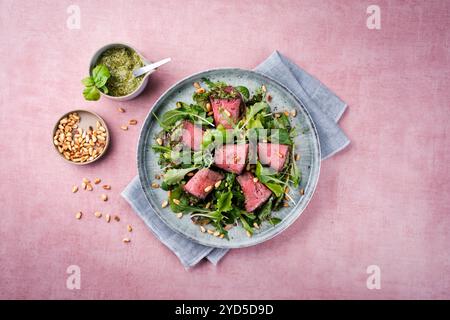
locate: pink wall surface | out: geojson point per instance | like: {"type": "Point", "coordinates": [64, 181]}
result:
{"type": "Point", "coordinates": [383, 201]}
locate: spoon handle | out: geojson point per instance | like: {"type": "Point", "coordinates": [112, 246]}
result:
{"type": "Point", "coordinates": [149, 67]}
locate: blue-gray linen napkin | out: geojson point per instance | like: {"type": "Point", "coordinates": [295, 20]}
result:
{"type": "Point", "coordinates": [325, 109]}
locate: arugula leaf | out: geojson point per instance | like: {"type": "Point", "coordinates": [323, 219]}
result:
{"type": "Point", "coordinates": [266, 210]}
{"type": "Point", "coordinates": [281, 136]}
{"type": "Point", "coordinates": [173, 176]}
{"type": "Point", "coordinates": [181, 203]}
{"type": "Point", "coordinates": [254, 109]}
{"type": "Point", "coordinates": [295, 172]}
{"type": "Point", "coordinates": [275, 188]}
{"type": "Point", "coordinates": [191, 112]}
{"type": "Point", "coordinates": [224, 203]}
{"type": "Point", "coordinates": [246, 225]}
{"type": "Point", "coordinates": [274, 221]}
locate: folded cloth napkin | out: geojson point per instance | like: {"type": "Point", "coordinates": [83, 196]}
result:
{"type": "Point", "coordinates": [325, 109]}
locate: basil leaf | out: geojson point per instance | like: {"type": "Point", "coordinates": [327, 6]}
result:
{"type": "Point", "coordinates": [91, 93]}
{"type": "Point", "coordinates": [99, 73]}
{"type": "Point", "coordinates": [88, 81]}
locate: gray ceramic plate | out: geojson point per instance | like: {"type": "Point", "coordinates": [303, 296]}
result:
{"type": "Point", "coordinates": [306, 144]}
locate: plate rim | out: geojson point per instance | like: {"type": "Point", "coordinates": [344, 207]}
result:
{"type": "Point", "coordinates": [228, 245]}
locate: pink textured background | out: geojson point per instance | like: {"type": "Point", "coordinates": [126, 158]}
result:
{"type": "Point", "coordinates": [383, 201]}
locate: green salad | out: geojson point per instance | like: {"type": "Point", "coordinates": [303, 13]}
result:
{"type": "Point", "coordinates": [227, 159]}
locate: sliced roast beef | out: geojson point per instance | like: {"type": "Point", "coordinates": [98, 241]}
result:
{"type": "Point", "coordinates": [226, 111]}
{"type": "Point", "coordinates": [273, 154]}
{"type": "Point", "coordinates": [192, 135]}
{"type": "Point", "coordinates": [202, 183]}
{"type": "Point", "coordinates": [231, 157]}
{"type": "Point", "coordinates": [255, 193]}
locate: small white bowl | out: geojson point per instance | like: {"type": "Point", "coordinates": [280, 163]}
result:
{"type": "Point", "coordinates": [144, 82]}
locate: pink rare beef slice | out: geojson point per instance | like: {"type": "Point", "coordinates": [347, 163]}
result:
{"type": "Point", "coordinates": [226, 111]}
{"type": "Point", "coordinates": [204, 179]}
{"type": "Point", "coordinates": [273, 155]}
{"type": "Point", "coordinates": [192, 135]}
{"type": "Point", "coordinates": [231, 157]}
{"type": "Point", "coordinates": [255, 193]}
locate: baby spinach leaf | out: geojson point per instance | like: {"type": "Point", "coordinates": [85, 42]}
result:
{"type": "Point", "coordinates": [244, 92]}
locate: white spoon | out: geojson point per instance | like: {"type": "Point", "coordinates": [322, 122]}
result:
{"type": "Point", "coordinates": [149, 67]}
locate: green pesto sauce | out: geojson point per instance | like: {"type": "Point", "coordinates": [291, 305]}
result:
{"type": "Point", "coordinates": [121, 62]}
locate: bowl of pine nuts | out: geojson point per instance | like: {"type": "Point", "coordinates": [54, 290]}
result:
{"type": "Point", "coordinates": [81, 137]}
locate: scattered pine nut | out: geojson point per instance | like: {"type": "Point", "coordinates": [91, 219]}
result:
{"type": "Point", "coordinates": [302, 191]}
{"type": "Point", "coordinates": [208, 188]}
{"type": "Point", "coordinates": [117, 218]}
{"type": "Point", "coordinates": [286, 204]}
{"type": "Point", "coordinates": [176, 201]}
{"type": "Point", "coordinates": [126, 240]}
{"type": "Point", "coordinates": [83, 185]}
{"type": "Point", "coordinates": [263, 88]}
{"type": "Point", "coordinates": [210, 231]}
{"type": "Point", "coordinates": [218, 183]}
{"type": "Point", "coordinates": [200, 90]}
{"type": "Point", "coordinates": [97, 180]}
{"type": "Point", "coordinates": [129, 228]}
{"type": "Point", "coordinates": [106, 187]}
{"type": "Point", "coordinates": [86, 180]}
{"type": "Point", "coordinates": [208, 106]}
{"type": "Point", "coordinates": [97, 214]}
{"type": "Point", "coordinates": [249, 234]}
{"type": "Point", "coordinates": [132, 122]}
{"type": "Point", "coordinates": [79, 215]}
{"type": "Point", "coordinates": [286, 113]}
{"type": "Point", "coordinates": [202, 229]}
{"type": "Point", "coordinates": [216, 233]}
{"type": "Point", "coordinates": [107, 218]}
{"type": "Point", "coordinates": [159, 141]}
{"type": "Point", "coordinates": [210, 113]}
{"type": "Point", "coordinates": [221, 236]}
{"type": "Point", "coordinates": [179, 215]}
{"type": "Point", "coordinates": [294, 113]}
{"type": "Point", "coordinates": [74, 189]}
{"type": "Point", "coordinates": [155, 185]}
{"type": "Point", "coordinates": [121, 110]}
{"type": "Point", "coordinates": [297, 157]}
{"type": "Point", "coordinates": [255, 225]}
{"type": "Point", "coordinates": [164, 203]}
{"type": "Point", "coordinates": [89, 187]}
{"type": "Point", "coordinates": [255, 180]}
{"type": "Point", "coordinates": [190, 174]}
{"type": "Point", "coordinates": [124, 127]}
{"type": "Point", "coordinates": [104, 197]}
{"type": "Point", "coordinates": [208, 205]}
{"type": "Point", "coordinates": [197, 85]}
{"type": "Point", "coordinates": [227, 113]}
{"type": "Point", "coordinates": [280, 155]}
